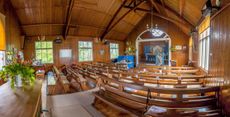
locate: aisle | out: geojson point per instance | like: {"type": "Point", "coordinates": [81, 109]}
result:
{"type": "Point", "coordinates": [73, 105]}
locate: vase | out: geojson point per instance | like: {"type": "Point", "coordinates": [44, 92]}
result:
{"type": "Point", "coordinates": [18, 81]}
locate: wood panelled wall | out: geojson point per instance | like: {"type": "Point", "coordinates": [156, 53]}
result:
{"type": "Point", "coordinates": [72, 43]}
{"type": "Point", "coordinates": [12, 28]}
{"type": "Point", "coordinates": [175, 33]}
{"type": "Point", "coordinates": [219, 63]}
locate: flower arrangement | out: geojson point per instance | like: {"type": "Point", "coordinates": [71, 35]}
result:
{"type": "Point", "coordinates": [130, 51]}
{"type": "Point", "coordinates": [130, 48]}
{"type": "Point", "coordinates": [19, 73]}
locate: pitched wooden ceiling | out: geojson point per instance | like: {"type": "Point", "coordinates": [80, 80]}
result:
{"type": "Point", "coordinates": [95, 17]}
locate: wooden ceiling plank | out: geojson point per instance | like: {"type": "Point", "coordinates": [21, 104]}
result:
{"type": "Point", "coordinates": [132, 9]}
{"type": "Point", "coordinates": [163, 5]}
{"type": "Point", "coordinates": [183, 26]}
{"type": "Point", "coordinates": [155, 5]}
{"type": "Point", "coordinates": [182, 4]}
{"type": "Point", "coordinates": [169, 10]}
{"type": "Point", "coordinates": [43, 24]}
{"type": "Point", "coordinates": [17, 18]}
{"type": "Point", "coordinates": [68, 19]}
{"type": "Point", "coordinates": [112, 19]}
{"type": "Point", "coordinates": [70, 26]}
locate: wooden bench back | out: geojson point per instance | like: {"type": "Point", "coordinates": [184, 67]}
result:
{"type": "Point", "coordinates": [127, 90]}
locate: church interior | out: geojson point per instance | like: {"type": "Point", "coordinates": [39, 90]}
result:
{"type": "Point", "coordinates": [114, 58]}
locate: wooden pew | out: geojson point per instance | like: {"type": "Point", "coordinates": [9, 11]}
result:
{"type": "Point", "coordinates": [62, 79]}
{"type": "Point", "coordinates": [78, 81]}
{"type": "Point", "coordinates": [165, 67]}
{"type": "Point", "coordinates": [123, 98]}
{"type": "Point", "coordinates": [123, 95]}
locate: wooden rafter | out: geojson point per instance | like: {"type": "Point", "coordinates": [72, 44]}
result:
{"type": "Point", "coordinates": [42, 24]}
{"type": "Point", "coordinates": [112, 19]}
{"type": "Point", "coordinates": [131, 3]}
{"type": "Point", "coordinates": [155, 5]}
{"type": "Point", "coordinates": [163, 5]}
{"type": "Point", "coordinates": [184, 26]}
{"type": "Point", "coordinates": [117, 21]}
{"type": "Point", "coordinates": [68, 19]}
{"type": "Point", "coordinates": [182, 4]}
{"type": "Point", "coordinates": [70, 25]}
{"type": "Point", "coordinates": [176, 14]}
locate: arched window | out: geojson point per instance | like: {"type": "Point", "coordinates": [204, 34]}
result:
{"type": "Point", "coordinates": [157, 32]}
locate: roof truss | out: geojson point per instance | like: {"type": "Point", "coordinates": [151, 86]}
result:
{"type": "Point", "coordinates": [135, 4]}
{"type": "Point", "coordinates": [68, 19]}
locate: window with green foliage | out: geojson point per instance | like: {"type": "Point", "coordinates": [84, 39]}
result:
{"type": "Point", "coordinates": [114, 50]}
{"type": "Point", "coordinates": [85, 51]}
{"type": "Point", "coordinates": [44, 51]}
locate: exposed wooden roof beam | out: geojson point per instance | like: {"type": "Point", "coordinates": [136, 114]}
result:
{"type": "Point", "coordinates": [132, 9]}
{"type": "Point", "coordinates": [155, 5]}
{"type": "Point", "coordinates": [171, 11]}
{"type": "Point", "coordinates": [70, 26]}
{"type": "Point", "coordinates": [112, 19]}
{"type": "Point", "coordinates": [43, 24]}
{"type": "Point", "coordinates": [131, 3]}
{"type": "Point", "coordinates": [182, 4]}
{"type": "Point", "coordinates": [163, 5]}
{"type": "Point", "coordinates": [184, 26]}
{"type": "Point", "coordinates": [68, 19]}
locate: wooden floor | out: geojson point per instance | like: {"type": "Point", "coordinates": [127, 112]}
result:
{"type": "Point", "coordinates": [73, 105]}
{"type": "Point", "coordinates": [108, 111]}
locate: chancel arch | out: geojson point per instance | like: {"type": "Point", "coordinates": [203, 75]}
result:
{"type": "Point", "coordinates": [154, 44]}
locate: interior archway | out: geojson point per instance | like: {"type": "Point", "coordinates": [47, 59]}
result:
{"type": "Point", "coordinates": [154, 35]}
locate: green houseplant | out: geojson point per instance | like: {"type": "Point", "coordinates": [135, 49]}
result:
{"type": "Point", "coordinates": [19, 74]}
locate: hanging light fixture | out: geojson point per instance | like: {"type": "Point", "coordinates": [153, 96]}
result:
{"type": "Point", "coordinates": [154, 30]}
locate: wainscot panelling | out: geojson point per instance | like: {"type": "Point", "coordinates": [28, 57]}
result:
{"type": "Point", "coordinates": [219, 63]}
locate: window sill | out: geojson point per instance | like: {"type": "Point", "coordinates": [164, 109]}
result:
{"type": "Point", "coordinates": [203, 70]}
{"type": "Point", "coordinates": [84, 61]}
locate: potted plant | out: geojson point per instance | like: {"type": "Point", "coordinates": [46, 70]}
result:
{"type": "Point", "coordinates": [19, 75]}
{"type": "Point", "coordinates": [18, 72]}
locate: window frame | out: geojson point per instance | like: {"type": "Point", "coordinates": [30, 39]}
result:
{"type": "Point", "coordinates": [114, 48]}
{"type": "Point", "coordinates": [46, 51]}
{"type": "Point", "coordinates": [86, 48]}
{"type": "Point", "coordinates": [204, 48]}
